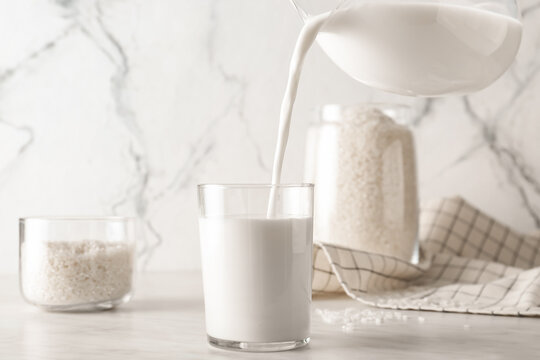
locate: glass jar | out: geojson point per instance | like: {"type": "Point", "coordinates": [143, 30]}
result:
{"type": "Point", "coordinates": [77, 264]}
{"type": "Point", "coordinates": [362, 162]}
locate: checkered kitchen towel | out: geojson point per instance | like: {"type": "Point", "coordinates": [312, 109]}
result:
{"type": "Point", "coordinates": [469, 263]}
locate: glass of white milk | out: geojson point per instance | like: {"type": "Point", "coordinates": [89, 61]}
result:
{"type": "Point", "coordinates": [256, 268]}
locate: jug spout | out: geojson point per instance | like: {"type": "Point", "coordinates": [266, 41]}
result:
{"type": "Point", "coordinates": [307, 8]}
{"type": "Point", "coordinates": [301, 12]}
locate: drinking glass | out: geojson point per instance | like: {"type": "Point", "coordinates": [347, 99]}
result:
{"type": "Point", "coordinates": [77, 263]}
{"type": "Point", "coordinates": [256, 269]}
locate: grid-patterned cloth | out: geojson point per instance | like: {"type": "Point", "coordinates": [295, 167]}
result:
{"type": "Point", "coordinates": [469, 263]}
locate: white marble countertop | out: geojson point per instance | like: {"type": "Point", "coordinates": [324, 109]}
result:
{"type": "Point", "coordinates": [165, 320]}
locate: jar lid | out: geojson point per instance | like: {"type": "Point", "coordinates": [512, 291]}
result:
{"type": "Point", "coordinates": [400, 113]}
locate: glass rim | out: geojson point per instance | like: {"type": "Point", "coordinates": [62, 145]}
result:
{"type": "Point", "coordinates": [54, 218]}
{"type": "Point", "coordinates": [253, 186]}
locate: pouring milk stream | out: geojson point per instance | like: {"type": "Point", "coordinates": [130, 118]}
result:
{"type": "Point", "coordinates": [409, 48]}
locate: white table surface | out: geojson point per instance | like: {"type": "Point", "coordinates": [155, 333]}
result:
{"type": "Point", "coordinates": [165, 320]}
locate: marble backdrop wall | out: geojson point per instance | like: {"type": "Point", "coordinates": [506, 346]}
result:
{"type": "Point", "coordinates": [123, 106]}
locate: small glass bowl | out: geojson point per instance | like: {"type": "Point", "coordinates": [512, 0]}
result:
{"type": "Point", "coordinates": [77, 263]}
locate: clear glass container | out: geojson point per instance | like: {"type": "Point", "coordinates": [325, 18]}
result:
{"type": "Point", "coordinates": [77, 263]}
{"type": "Point", "coordinates": [362, 162]}
{"type": "Point", "coordinates": [256, 268]}
{"type": "Point", "coordinates": [418, 47]}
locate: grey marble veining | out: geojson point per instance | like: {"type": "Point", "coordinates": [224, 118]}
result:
{"type": "Point", "coordinates": [122, 107]}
